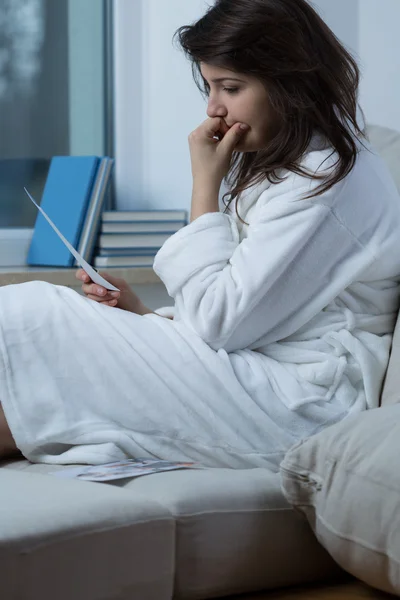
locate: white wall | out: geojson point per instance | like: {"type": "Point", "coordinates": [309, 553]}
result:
{"type": "Point", "coordinates": [158, 104]}
{"type": "Point", "coordinates": [158, 107]}
{"type": "Point", "coordinates": [379, 49]}
{"type": "Point", "coordinates": [371, 30]}
{"type": "Point", "coordinates": [342, 16]}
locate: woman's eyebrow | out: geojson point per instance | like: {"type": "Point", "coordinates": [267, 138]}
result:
{"type": "Point", "coordinates": [219, 79]}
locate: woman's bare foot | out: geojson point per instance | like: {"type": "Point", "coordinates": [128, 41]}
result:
{"type": "Point", "coordinates": [8, 449]}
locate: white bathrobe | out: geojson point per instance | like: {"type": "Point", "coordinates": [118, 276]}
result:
{"type": "Point", "coordinates": [281, 328]}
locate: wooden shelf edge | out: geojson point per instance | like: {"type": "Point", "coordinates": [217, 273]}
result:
{"type": "Point", "coordinates": [13, 275]}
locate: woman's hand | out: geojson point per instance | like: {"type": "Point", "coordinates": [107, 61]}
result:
{"type": "Point", "coordinates": [125, 298]}
{"type": "Point", "coordinates": [211, 149]}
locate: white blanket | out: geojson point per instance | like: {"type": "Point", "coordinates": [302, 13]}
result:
{"type": "Point", "coordinates": [281, 328]}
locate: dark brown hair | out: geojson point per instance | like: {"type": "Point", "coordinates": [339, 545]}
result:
{"type": "Point", "coordinates": [312, 83]}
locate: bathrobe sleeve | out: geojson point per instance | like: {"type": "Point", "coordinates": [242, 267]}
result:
{"type": "Point", "coordinates": [297, 257]}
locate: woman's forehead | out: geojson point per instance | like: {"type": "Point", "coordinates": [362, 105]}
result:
{"type": "Point", "coordinates": [211, 72]}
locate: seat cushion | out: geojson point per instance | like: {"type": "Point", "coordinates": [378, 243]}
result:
{"type": "Point", "coordinates": [387, 143]}
{"type": "Point", "coordinates": [346, 481]}
{"type": "Point", "coordinates": [235, 532]}
{"type": "Point", "coordinates": [391, 388]}
{"type": "Point", "coordinates": [63, 539]}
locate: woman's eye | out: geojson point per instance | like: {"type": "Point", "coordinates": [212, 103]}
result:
{"type": "Point", "coordinates": [231, 90]}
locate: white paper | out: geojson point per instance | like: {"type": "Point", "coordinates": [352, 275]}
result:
{"type": "Point", "coordinates": [131, 467]}
{"type": "Point", "coordinates": [93, 274]}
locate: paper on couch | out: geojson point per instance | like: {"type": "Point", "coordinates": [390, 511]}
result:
{"type": "Point", "coordinates": [131, 467]}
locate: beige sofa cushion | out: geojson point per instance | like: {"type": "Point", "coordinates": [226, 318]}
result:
{"type": "Point", "coordinates": [64, 539]}
{"type": "Point", "coordinates": [234, 530]}
{"type": "Point", "coordinates": [346, 481]}
{"type": "Point", "coordinates": [391, 386]}
{"type": "Point", "coordinates": [387, 142]}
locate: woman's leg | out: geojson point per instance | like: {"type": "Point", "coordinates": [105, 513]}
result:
{"type": "Point", "coordinates": [7, 444]}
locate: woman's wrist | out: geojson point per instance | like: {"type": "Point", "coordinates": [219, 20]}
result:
{"type": "Point", "coordinates": [205, 198]}
{"type": "Point", "coordinates": [144, 310]}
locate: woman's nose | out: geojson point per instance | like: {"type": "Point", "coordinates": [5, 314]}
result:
{"type": "Point", "coordinates": [215, 110]}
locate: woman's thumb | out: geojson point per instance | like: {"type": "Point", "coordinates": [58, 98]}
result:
{"type": "Point", "coordinates": [110, 278]}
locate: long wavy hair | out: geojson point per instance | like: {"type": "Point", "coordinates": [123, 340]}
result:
{"type": "Point", "coordinates": [311, 79]}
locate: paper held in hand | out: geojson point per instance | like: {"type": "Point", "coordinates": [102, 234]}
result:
{"type": "Point", "coordinates": [93, 274]}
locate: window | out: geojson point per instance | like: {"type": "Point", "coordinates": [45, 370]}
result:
{"type": "Point", "coordinates": [55, 96]}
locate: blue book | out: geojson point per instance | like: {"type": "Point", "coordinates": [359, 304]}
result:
{"type": "Point", "coordinates": [65, 199]}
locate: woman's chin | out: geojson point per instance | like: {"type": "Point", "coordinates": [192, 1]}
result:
{"type": "Point", "coordinates": [244, 146]}
{"type": "Point", "coordinates": [241, 146]}
{"type": "Point", "coordinates": [248, 144]}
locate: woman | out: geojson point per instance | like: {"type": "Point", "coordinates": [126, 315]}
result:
{"type": "Point", "coordinates": [283, 314]}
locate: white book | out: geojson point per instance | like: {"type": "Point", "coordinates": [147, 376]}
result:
{"type": "Point", "coordinates": [132, 240]}
{"type": "Point", "coordinates": [140, 227]}
{"type": "Point", "coordinates": [104, 262]}
{"type": "Point", "coordinates": [112, 216]}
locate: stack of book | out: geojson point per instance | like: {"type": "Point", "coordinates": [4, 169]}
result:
{"type": "Point", "coordinates": [75, 199]}
{"type": "Point", "coordinates": [133, 238]}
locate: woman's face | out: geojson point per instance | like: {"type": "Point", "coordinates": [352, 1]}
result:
{"type": "Point", "coordinates": [240, 98]}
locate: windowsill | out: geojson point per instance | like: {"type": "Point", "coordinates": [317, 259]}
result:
{"type": "Point", "coordinates": [57, 276]}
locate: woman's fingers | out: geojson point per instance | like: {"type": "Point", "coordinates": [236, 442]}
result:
{"type": "Point", "coordinates": [216, 127]}
{"type": "Point", "coordinates": [94, 289]}
{"type": "Point", "coordinates": [116, 281]}
{"type": "Point", "coordinates": [82, 275]}
{"type": "Point", "coordinates": [224, 127]}
{"type": "Point", "coordinates": [109, 302]}
{"type": "Point", "coordinates": [98, 292]}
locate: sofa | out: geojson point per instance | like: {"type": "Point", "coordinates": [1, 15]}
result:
{"type": "Point", "coordinates": [193, 534]}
